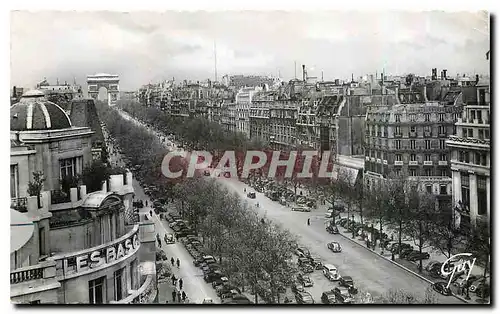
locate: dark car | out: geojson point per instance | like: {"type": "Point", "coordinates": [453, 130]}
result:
{"type": "Point", "coordinates": [316, 262]}
{"type": "Point", "coordinates": [251, 195]}
{"type": "Point", "coordinates": [306, 268]}
{"type": "Point", "coordinates": [418, 256]}
{"type": "Point", "coordinates": [346, 281]}
{"type": "Point", "coordinates": [405, 252]}
{"type": "Point", "coordinates": [395, 247]}
{"type": "Point", "coordinates": [342, 295]}
{"type": "Point", "coordinates": [297, 287]}
{"type": "Point", "coordinates": [303, 260]}
{"type": "Point", "coordinates": [212, 276]}
{"type": "Point", "coordinates": [328, 297]}
{"type": "Point", "coordinates": [332, 229]}
{"type": "Point", "coordinates": [440, 287]}
{"type": "Point", "coordinates": [305, 280]}
{"type": "Point", "coordinates": [342, 222]}
{"type": "Point", "coordinates": [198, 260]}
{"type": "Point", "coordinates": [304, 298]}
{"type": "Point", "coordinates": [302, 252]}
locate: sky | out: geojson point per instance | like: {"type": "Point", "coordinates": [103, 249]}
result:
{"type": "Point", "coordinates": [148, 47]}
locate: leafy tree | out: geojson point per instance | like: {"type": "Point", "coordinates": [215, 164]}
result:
{"type": "Point", "coordinates": [94, 175]}
{"type": "Point", "coordinates": [403, 297]}
{"type": "Point", "coordinates": [36, 186]}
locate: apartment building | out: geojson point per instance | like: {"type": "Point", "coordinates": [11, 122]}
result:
{"type": "Point", "coordinates": [470, 149]}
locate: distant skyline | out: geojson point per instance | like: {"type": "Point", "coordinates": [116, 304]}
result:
{"type": "Point", "coordinates": [143, 47]}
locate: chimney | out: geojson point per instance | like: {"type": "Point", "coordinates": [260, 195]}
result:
{"type": "Point", "coordinates": [477, 78]}
{"type": "Point", "coordinates": [434, 74]}
{"type": "Point", "coordinates": [352, 77]}
{"type": "Point", "coordinates": [304, 72]}
{"type": "Point", "coordinates": [14, 92]}
{"type": "Point", "coordinates": [444, 73]}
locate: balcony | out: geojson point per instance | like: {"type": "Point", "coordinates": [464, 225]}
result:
{"type": "Point", "coordinates": [19, 204]}
{"type": "Point", "coordinates": [38, 271]}
{"type": "Point", "coordinates": [59, 197]}
{"type": "Point", "coordinates": [36, 280]}
{"type": "Point", "coordinates": [443, 163]}
{"type": "Point", "coordinates": [398, 163]}
{"type": "Point", "coordinates": [427, 134]}
{"type": "Point", "coordinates": [428, 163]}
{"type": "Point", "coordinates": [413, 163]}
{"type": "Point", "coordinates": [412, 134]}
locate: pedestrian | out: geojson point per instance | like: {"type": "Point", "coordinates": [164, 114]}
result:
{"type": "Point", "coordinates": [180, 283]}
{"type": "Point", "coordinates": [173, 279]}
{"type": "Point", "coordinates": [308, 221]}
{"type": "Point", "coordinates": [150, 213]}
{"type": "Point", "coordinates": [172, 261]}
{"type": "Point", "coordinates": [178, 263]}
{"type": "Point", "coordinates": [173, 296]}
{"type": "Point", "coordinates": [183, 296]}
{"type": "Point", "coordinates": [179, 296]}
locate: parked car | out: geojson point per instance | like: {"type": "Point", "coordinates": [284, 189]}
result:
{"type": "Point", "coordinates": [303, 260]}
{"type": "Point", "coordinates": [342, 222]}
{"type": "Point", "coordinates": [342, 295]}
{"type": "Point", "coordinates": [334, 247]}
{"type": "Point", "coordinates": [301, 209]}
{"type": "Point", "coordinates": [220, 281]}
{"type": "Point", "coordinates": [432, 265]}
{"type": "Point", "coordinates": [297, 287]}
{"type": "Point", "coordinates": [477, 283]}
{"type": "Point", "coordinates": [331, 272]}
{"type": "Point", "coordinates": [304, 298]}
{"type": "Point", "coordinates": [418, 256]}
{"type": "Point", "coordinates": [212, 276]}
{"type": "Point", "coordinates": [339, 208]}
{"type": "Point", "coordinates": [302, 252]}
{"type": "Point", "coordinates": [328, 297]}
{"type": "Point", "coordinates": [207, 301]}
{"type": "Point", "coordinates": [332, 229]}
{"type": "Point", "coordinates": [316, 262]}
{"type": "Point", "coordinates": [346, 281]}
{"type": "Point", "coordinates": [461, 281]}
{"type": "Point", "coordinates": [405, 252]}
{"type": "Point", "coordinates": [305, 280]}
{"type": "Point", "coordinates": [251, 195]}
{"type": "Point", "coordinates": [306, 268]}
{"type": "Point", "coordinates": [440, 287]}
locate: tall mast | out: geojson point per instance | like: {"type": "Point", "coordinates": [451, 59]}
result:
{"type": "Point", "coordinates": [215, 59]}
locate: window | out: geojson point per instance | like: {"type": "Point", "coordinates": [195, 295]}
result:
{"type": "Point", "coordinates": [398, 117]}
{"type": "Point", "coordinates": [442, 144]}
{"type": "Point", "coordinates": [481, 196]}
{"type": "Point", "coordinates": [413, 117]}
{"type": "Point", "coordinates": [397, 144]}
{"type": "Point", "coordinates": [41, 241]}
{"type": "Point", "coordinates": [413, 172]}
{"type": "Point", "coordinates": [427, 157]}
{"type": "Point", "coordinates": [14, 181]}
{"type": "Point", "coordinates": [427, 117]}
{"type": "Point", "coordinates": [487, 134]}
{"type": "Point", "coordinates": [471, 133]}
{"type": "Point", "coordinates": [480, 134]}
{"type": "Point", "coordinates": [413, 157]}
{"type": "Point", "coordinates": [96, 291]}
{"type": "Point", "coordinates": [427, 129]}
{"type": "Point", "coordinates": [444, 172]}
{"type": "Point", "coordinates": [397, 172]}
{"type": "Point", "coordinates": [428, 188]}
{"type": "Point", "coordinates": [465, 190]}
{"type": "Point", "coordinates": [443, 157]}
{"type": "Point", "coordinates": [428, 172]}
{"type": "Point", "coordinates": [70, 167]}
{"type": "Point", "coordinates": [427, 144]}
{"type": "Point", "coordinates": [413, 129]}
{"type": "Point", "coordinates": [399, 157]}
{"type": "Point", "coordinates": [118, 282]}
{"type": "Point", "coordinates": [412, 144]}
{"type": "Point", "coordinates": [35, 302]}
{"type": "Point", "coordinates": [397, 130]}
{"type": "Point", "coordinates": [443, 190]}
{"type": "Point", "coordinates": [442, 129]}
{"type": "Point", "coordinates": [441, 117]}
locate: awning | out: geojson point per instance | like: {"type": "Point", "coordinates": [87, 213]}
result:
{"type": "Point", "coordinates": [21, 230]}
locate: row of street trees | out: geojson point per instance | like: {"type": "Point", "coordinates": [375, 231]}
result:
{"type": "Point", "coordinates": [253, 251]}
{"type": "Point", "coordinates": [401, 205]}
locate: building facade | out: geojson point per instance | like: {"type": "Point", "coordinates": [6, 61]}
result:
{"type": "Point", "coordinates": [70, 245]}
{"type": "Point", "coordinates": [470, 156]}
{"type": "Point", "coordinates": [243, 102]}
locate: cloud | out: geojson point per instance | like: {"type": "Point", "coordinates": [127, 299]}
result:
{"type": "Point", "coordinates": [146, 46]}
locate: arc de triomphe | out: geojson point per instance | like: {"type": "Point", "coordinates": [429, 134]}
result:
{"type": "Point", "coordinates": [110, 81]}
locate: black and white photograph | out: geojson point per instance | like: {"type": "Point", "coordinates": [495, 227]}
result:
{"type": "Point", "coordinates": [246, 157]}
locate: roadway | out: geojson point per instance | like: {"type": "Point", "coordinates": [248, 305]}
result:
{"type": "Point", "coordinates": [370, 272]}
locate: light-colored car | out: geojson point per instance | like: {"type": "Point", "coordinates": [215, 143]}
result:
{"type": "Point", "coordinates": [331, 272]}
{"type": "Point", "coordinates": [334, 247]}
{"type": "Point", "coordinates": [301, 209]}
{"type": "Point", "coordinates": [207, 301]}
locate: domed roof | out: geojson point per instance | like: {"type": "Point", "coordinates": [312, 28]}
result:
{"type": "Point", "coordinates": [35, 112]}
